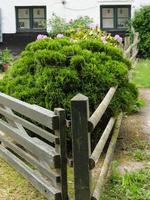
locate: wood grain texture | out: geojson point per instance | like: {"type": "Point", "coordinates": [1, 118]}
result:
{"type": "Point", "coordinates": [97, 115]}
{"type": "Point", "coordinates": [37, 113]}
{"type": "Point", "coordinates": [81, 146]}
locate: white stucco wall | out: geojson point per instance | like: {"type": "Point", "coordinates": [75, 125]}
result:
{"type": "Point", "coordinates": [72, 9]}
{"type": "Point", "coordinates": [8, 15]}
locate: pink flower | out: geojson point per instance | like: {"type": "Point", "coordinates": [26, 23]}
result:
{"type": "Point", "coordinates": [60, 35]}
{"type": "Point", "coordinates": [104, 39]}
{"type": "Point", "coordinates": [44, 36]}
{"type": "Point", "coordinates": [92, 26]}
{"type": "Point", "coordinates": [40, 36]}
{"type": "Point", "coordinates": [118, 38]}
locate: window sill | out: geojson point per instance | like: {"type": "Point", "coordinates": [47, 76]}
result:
{"type": "Point", "coordinates": [31, 30]}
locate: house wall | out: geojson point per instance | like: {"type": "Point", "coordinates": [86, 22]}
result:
{"type": "Point", "coordinates": [72, 9]}
{"type": "Point", "coordinates": [8, 18]}
{"type": "Point", "coordinates": [68, 9]}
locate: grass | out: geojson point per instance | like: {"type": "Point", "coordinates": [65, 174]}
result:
{"type": "Point", "coordinates": [131, 186]}
{"type": "Point", "coordinates": [139, 150]}
{"type": "Point", "coordinates": [14, 187]}
{"type": "Point", "coordinates": [141, 74]}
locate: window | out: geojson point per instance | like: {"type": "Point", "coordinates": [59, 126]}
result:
{"type": "Point", "coordinates": [30, 18]}
{"type": "Point", "coordinates": [115, 17]}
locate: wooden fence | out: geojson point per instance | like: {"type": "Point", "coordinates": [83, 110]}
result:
{"type": "Point", "coordinates": [40, 158]}
{"type": "Point", "coordinates": [83, 125]}
{"type": "Point", "coordinates": [131, 48]}
{"type": "Point", "coordinates": [85, 160]}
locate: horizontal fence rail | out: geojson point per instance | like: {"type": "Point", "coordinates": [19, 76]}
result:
{"type": "Point", "coordinates": [96, 116]}
{"type": "Point", "coordinates": [101, 143]}
{"type": "Point", "coordinates": [109, 155]}
{"type": "Point", "coordinates": [39, 114]}
{"type": "Point", "coordinates": [33, 141]}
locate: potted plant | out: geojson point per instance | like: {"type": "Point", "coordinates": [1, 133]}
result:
{"type": "Point", "coordinates": [6, 59]}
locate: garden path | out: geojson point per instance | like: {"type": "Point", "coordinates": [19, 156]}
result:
{"type": "Point", "coordinates": [135, 137]}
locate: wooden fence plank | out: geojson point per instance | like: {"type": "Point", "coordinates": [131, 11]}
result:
{"type": "Point", "coordinates": [81, 146]}
{"type": "Point", "coordinates": [109, 155]}
{"type": "Point", "coordinates": [96, 116]}
{"type": "Point", "coordinates": [32, 144]}
{"type": "Point", "coordinates": [53, 176]}
{"type": "Point", "coordinates": [11, 121]}
{"type": "Point", "coordinates": [100, 145]}
{"type": "Point", "coordinates": [41, 115]}
{"type": "Point", "coordinates": [38, 182]}
{"type": "Point", "coordinates": [62, 150]}
{"type": "Point", "coordinates": [30, 126]}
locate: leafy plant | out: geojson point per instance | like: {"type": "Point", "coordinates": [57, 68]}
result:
{"type": "Point", "coordinates": [81, 28]}
{"type": "Point", "coordinates": [141, 23]}
{"type": "Point", "coordinates": [6, 56]}
{"type": "Point", "coordinates": [59, 25]}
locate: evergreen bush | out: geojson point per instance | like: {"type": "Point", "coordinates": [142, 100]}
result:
{"type": "Point", "coordinates": [50, 77]}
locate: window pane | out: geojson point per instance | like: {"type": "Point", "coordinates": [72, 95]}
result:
{"type": "Point", "coordinates": [108, 23]}
{"type": "Point", "coordinates": [39, 24]}
{"type": "Point", "coordinates": [122, 23]}
{"type": "Point", "coordinates": [123, 12]}
{"type": "Point", "coordinates": [24, 24]}
{"type": "Point", "coordinates": [23, 13]}
{"type": "Point", "coordinates": [38, 13]}
{"type": "Point", "coordinates": [107, 12]}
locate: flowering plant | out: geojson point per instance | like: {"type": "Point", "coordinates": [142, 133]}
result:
{"type": "Point", "coordinates": [81, 28]}
{"type": "Point", "coordinates": [40, 36]}
{"type": "Point", "coordinates": [93, 32]}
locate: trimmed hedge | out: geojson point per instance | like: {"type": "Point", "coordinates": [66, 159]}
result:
{"type": "Point", "coordinates": [50, 72]}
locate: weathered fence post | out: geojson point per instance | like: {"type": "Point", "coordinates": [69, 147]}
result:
{"type": "Point", "coordinates": [62, 150]}
{"type": "Point", "coordinates": [81, 146]}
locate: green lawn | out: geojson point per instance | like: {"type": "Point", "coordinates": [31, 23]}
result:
{"type": "Point", "coordinates": [131, 186]}
{"type": "Point", "coordinates": [14, 187]}
{"type": "Point", "coordinates": [141, 74]}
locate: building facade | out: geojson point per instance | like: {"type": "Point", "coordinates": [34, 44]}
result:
{"type": "Point", "coordinates": [23, 20]}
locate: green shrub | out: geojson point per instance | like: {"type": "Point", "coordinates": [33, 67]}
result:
{"type": "Point", "coordinates": [84, 66]}
{"type": "Point", "coordinates": [141, 24]}
{"type": "Point", "coordinates": [54, 58]}
{"type": "Point", "coordinates": [51, 78]}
